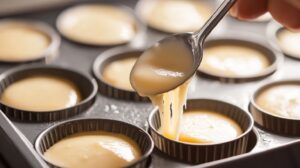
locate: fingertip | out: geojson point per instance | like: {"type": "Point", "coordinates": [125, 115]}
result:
{"type": "Point", "coordinates": [250, 9]}
{"type": "Point", "coordinates": [233, 11]}
{"type": "Point", "coordinates": [294, 27]}
{"type": "Point", "coordinates": [286, 14]}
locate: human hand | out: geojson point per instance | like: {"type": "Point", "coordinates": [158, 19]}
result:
{"type": "Point", "coordinates": [287, 12]}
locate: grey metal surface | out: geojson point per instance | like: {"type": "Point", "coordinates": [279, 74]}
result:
{"type": "Point", "coordinates": [82, 57]}
{"type": "Point", "coordinates": [14, 144]}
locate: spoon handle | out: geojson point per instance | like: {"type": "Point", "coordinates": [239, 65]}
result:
{"type": "Point", "coordinates": [213, 20]}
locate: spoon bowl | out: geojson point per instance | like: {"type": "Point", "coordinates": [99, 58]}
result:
{"type": "Point", "coordinates": [174, 60]}
{"type": "Point", "coordinates": [167, 64]}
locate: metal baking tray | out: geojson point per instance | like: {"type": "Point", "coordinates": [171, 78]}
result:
{"type": "Point", "coordinates": [19, 136]}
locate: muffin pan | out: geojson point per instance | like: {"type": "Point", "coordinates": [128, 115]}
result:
{"type": "Point", "coordinates": [47, 55]}
{"type": "Point", "coordinates": [110, 89]}
{"type": "Point", "coordinates": [87, 88]}
{"type": "Point", "coordinates": [81, 57]}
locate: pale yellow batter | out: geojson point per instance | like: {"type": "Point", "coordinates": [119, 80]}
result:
{"type": "Point", "coordinates": [202, 126]}
{"type": "Point", "coordinates": [162, 68]}
{"type": "Point", "coordinates": [97, 25]}
{"type": "Point", "coordinates": [171, 106]}
{"type": "Point", "coordinates": [92, 150]}
{"type": "Point", "coordinates": [41, 94]}
{"type": "Point", "coordinates": [175, 16]}
{"type": "Point", "coordinates": [289, 42]}
{"type": "Point", "coordinates": [117, 73]}
{"type": "Point", "coordinates": [281, 100]}
{"type": "Point", "coordinates": [228, 60]}
{"type": "Point", "coordinates": [21, 42]}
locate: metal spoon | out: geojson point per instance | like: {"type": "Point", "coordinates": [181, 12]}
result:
{"type": "Point", "coordinates": [194, 41]}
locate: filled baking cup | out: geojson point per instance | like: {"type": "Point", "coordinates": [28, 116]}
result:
{"type": "Point", "coordinates": [27, 41]}
{"type": "Point", "coordinates": [39, 93]}
{"type": "Point", "coordinates": [275, 107]}
{"type": "Point", "coordinates": [99, 24]}
{"type": "Point", "coordinates": [173, 16]}
{"type": "Point", "coordinates": [62, 130]}
{"type": "Point", "coordinates": [112, 70]}
{"type": "Point", "coordinates": [196, 153]}
{"type": "Point", "coordinates": [237, 60]}
{"type": "Point", "coordinates": [284, 40]}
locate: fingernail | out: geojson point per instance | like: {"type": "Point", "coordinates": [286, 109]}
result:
{"type": "Point", "coordinates": [233, 12]}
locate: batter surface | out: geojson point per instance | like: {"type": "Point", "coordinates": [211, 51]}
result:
{"type": "Point", "coordinates": [202, 126]}
{"type": "Point", "coordinates": [94, 149]}
{"type": "Point", "coordinates": [21, 42]}
{"type": "Point", "coordinates": [117, 73]}
{"type": "Point", "coordinates": [289, 42]}
{"type": "Point", "coordinates": [175, 16]}
{"type": "Point", "coordinates": [231, 60]}
{"type": "Point", "coordinates": [281, 100]}
{"type": "Point", "coordinates": [97, 25]}
{"type": "Point", "coordinates": [41, 94]}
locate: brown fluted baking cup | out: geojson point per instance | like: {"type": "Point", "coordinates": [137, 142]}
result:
{"type": "Point", "coordinates": [274, 58]}
{"type": "Point", "coordinates": [271, 122]}
{"type": "Point", "coordinates": [108, 89]}
{"type": "Point", "coordinates": [87, 87]}
{"type": "Point", "coordinates": [57, 132]}
{"type": "Point", "coordinates": [202, 153]}
{"type": "Point", "coordinates": [52, 50]}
